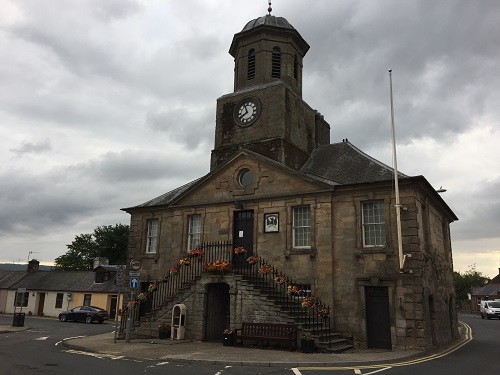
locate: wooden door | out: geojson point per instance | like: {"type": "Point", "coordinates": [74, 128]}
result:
{"type": "Point", "coordinates": [243, 235]}
{"type": "Point", "coordinates": [41, 303]}
{"type": "Point", "coordinates": [217, 312]}
{"type": "Point", "coordinates": [378, 326]}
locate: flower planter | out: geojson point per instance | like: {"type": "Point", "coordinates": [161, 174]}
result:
{"type": "Point", "coordinates": [228, 340]}
{"type": "Point", "coordinates": [164, 335]}
{"type": "Point", "coordinates": [307, 346]}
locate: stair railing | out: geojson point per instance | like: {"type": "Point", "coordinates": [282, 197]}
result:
{"type": "Point", "coordinates": [295, 298]}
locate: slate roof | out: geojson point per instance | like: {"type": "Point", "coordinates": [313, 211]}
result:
{"type": "Point", "coordinates": [10, 278]}
{"type": "Point", "coordinates": [343, 163]}
{"type": "Point", "coordinates": [75, 281]}
{"type": "Point", "coordinates": [333, 164]}
{"type": "Point", "coordinates": [488, 290]}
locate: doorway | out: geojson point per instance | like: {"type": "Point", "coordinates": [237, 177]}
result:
{"type": "Point", "coordinates": [217, 311]}
{"type": "Point", "coordinates": [378, 325]}
{"type": "Point", "coordinates": [112, 307]}
{"type": "Point", "coordinates": [41, 303]}
{"type": "Point", "coordinates": [243, 235]}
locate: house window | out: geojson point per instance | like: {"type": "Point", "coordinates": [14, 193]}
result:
{"type": "Point", "coordinates": [373, 224]}
{"type": "Point", "coordinates": [22, 299]}
{"type": "Point", "coordinates": [86, 299]}
{"type": "Point", "coordinates": [301, 227]}
{"type": "Point", "coordinates": [152, 239]}
{"type": "Point", "coordinates": [59, 300]}
{"type": "Point", "coordinates": [194, 232]}
{"type": "Point", "coordinates": [276, 63]}
{"type": "Point", "coordinates": [251, 64]}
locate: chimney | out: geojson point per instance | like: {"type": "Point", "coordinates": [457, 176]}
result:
{"type": "Point", "coordinates": [33, 265]}
{"type": "Point", "coordinates": [100, 262]}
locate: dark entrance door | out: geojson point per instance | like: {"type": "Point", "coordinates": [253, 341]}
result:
{"type": "Point", "coordinates": [243, 235]}
{"type": "Point", "coordinates": [112, 307]}
{"type": "Point", "coordinates": [217, 311]}
{"type": "Point", "coordinates": [41, 304]}
{"type": "Point", "coordinates": [378, 327]}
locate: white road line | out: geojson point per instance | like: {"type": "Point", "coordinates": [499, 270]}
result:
{"type": "Point", "coordinates": [68, 338]}
{"type": "Point", "coordinates": [296, 371]}
{"type": "Point", "coordinates": [41, 338]}
{"type": "Point", "coordinates": [357, 371]}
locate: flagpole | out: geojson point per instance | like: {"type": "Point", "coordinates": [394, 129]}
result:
{"type": "Point", "coordinates": [396, 183]}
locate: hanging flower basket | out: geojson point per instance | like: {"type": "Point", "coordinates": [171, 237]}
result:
{"type": "Point", "coordinates": [196, 253]}
{"type": "Point", "coordinates": [142, 296]}
{"type": "Point", "coordinates": [266, 269]}
{"type": "Point", "coordinates": [308, 302]}
{"type": "Point", "coordinates": [240, 250]}
{"type": "Point", "coordinates": [324, 313]}
{"type": "Point", "coordinates": [151, 288]}
{"type": "Point", "coordinates": [280, 279]}
{"type": "Point", "coordinates": [174, 270]}
{"type": "Point", "coordinates": [294, 290]}
{"type": "Point", "coordinates": [185, 262]}
{"type": "Point", "coordinates": [253, 260]}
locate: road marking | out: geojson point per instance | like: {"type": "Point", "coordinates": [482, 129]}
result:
{"type": "Point", "coordinates": [96, 355]}
{"type": "Point", "coordinates": [296, 371]}
{"type": "Point", "coordinates": [468, 338]}
{"type": "Point", "coordinates": [41, 338]}
{"type": "Point", "coordinates": [358, 371]}
{"type": "Point", "coordinates": [68, 338]}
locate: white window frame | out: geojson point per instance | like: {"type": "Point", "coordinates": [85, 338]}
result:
{"type": "Point", "coordinates": [152, 236]}
{"type": "Point", "coordinates": [373, 223]}
{"type": "Point", "coordinates": [301, 227]}
{"type": "Point", "coordinates": [194, 232]}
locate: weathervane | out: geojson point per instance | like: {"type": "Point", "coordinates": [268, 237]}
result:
{"type": "Point", "coordinates": [269, 9]}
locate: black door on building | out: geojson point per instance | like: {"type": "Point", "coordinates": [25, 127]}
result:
{"type": "Point", "coordinates": [378, 326]}
{"type": "Point", "coordinates": [217, 311]}
{"type": "Point", "coordinates": [243, 235]}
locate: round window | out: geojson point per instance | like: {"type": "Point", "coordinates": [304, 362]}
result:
{"type": "Point", "coordinates": [246, 177]}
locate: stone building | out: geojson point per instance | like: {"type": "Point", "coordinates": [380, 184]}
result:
{"type": "Point", "coordinates": [321, 213]}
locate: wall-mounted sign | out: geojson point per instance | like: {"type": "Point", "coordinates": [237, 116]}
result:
{"type": "Point", "coordinates": [135, 265]}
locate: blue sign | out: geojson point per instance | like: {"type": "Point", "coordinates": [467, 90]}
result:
{"type": "Point", "coordinates": [134, 282]}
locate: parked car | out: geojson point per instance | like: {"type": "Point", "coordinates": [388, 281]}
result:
{"type": "Point", "coordinates": [490, 309]}
{"type": "Point", "coordinates": [87, 314]}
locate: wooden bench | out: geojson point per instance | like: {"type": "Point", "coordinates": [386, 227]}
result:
{"type": "Point", "coordinates": [267, 332]}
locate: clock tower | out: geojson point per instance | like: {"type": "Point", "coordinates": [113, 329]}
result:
{"type": "Point", "coordinates": [266, 113]}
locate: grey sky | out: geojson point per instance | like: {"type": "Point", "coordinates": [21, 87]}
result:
{"type": "Point", "coordinates": [107, 104]}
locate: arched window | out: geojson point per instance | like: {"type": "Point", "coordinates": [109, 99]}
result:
{"type": "Point", "coordinates": [295, 67]}
{"type": "Point", "coordinates": [251, 64]}
{"type": "Point", "coordinates": [276, 63]}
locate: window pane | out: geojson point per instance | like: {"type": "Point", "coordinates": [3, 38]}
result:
{"type": "Point", "coordinates": [194, 235]}
{"type": "Point", "coordinates": [59, 300]}
{"type": "Point", "coordinates": [301, 227]}
{"type": "Point", "coordinates": [373, 224]}
{"type": "Point", "coordinates": [152, 240]}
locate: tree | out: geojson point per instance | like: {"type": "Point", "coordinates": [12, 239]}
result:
{"type": "Point", "coordinates": [466, 281]}
{"type": "Point", "coordinates": [109, 242]}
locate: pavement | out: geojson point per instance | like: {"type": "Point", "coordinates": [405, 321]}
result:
{"type": "Point", "coordinates": [214, 353]}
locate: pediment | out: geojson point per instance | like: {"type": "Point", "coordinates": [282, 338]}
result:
{"type": "Point", "coordinates": [269, 179]}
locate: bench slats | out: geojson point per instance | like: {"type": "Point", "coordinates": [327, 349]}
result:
{"type": "Point", "coordinates": [268, 332]}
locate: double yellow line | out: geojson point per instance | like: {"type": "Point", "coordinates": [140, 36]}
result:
{"type": "Point", "coordinates": [467, 337]}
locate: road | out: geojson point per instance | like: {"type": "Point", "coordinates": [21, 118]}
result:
{"type": "Point", "coordinates": [40, 351]}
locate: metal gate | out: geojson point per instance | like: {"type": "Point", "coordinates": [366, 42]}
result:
{"type": "Point", "coordinates": [217, 311]}
{"type": "Point", "coordinates": [378, 326]}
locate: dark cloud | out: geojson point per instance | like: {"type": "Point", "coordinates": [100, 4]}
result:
{"type": "Point", "coordinates": [111, 103]}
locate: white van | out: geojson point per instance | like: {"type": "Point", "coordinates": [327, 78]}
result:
{"type": "Point", "coordinates": [490, 309]}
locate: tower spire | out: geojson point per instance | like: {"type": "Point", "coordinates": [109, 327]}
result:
{"type": "Point", "coordinates": [269, 9]}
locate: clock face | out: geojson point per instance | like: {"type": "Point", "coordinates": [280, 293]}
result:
{"type": "Point", "coordinates": [246, 112]}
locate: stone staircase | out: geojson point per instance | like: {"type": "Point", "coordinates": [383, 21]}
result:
{"type": "Point", "coordinates": [274, 299]}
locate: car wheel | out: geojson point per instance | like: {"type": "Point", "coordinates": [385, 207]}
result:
{"type": "Point", "coordinates": [488, 317]}
{"type": "Point", "coordinates": [88, 319]}
{"type": "Point", "coordinates": [482, 316]}
{"type": "Point", "coordinates": [62, 318]}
